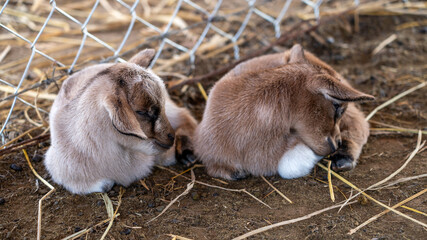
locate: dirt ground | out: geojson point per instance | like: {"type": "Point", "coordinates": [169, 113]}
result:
{"type": "Point", "coordinates": [210, 213]}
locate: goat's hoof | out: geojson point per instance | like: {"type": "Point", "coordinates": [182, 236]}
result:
{"type": "Point", "coordinates": [187, 158]}
{"type": "Point", "coordinates": [239, 175]}
{"type": "Point", "coordinates": [184, 151]}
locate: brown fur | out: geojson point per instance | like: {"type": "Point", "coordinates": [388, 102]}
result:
{"type": "Point", "coordinates": [111, 123]}
{"type": "Point", "coordinates": [265, 107]}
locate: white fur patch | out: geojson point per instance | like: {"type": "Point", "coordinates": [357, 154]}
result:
{"type": "Point", "coordinates": [101, 186]}
{"type": "Point", "coordinates": [297, 162]}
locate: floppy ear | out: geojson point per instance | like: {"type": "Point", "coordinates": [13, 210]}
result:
{"type": "Point", "coordinates": [297, 54]}
{"type": "Point", "coordinates": [144, 57]}
{"type": "Point", "coordinates": [337, 91]}
{"type": "Point", "coordinates": [121, 115]}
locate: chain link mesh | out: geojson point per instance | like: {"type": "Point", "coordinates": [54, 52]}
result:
{"type": "Point", "coordinates": [166, 36]}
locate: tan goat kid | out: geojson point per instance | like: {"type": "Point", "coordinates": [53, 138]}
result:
{"type": "Point", "coordinates": [280, 113]}
{"type": "Point", "coordinates": [110, 123]}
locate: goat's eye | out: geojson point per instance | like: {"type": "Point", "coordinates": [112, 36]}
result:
{"type": "Point", "coordinates": [339, 110]}
{"type": "Point", "coordinates": [155, 111]}
{"type": "Point", "coordinates": [142, 113]}
{"type": "Point", "coordinates": [150, 116]}
{"type": "Point", "coordinates": [336, 106]}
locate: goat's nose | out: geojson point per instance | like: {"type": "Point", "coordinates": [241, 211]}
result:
{"type": "Point", "coordinates": [171, 137]}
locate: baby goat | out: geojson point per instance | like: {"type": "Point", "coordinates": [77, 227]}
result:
{"type": "Point", "coordinates": [110, 123]}
{"type": "Point", "coordinates": [280, 113]}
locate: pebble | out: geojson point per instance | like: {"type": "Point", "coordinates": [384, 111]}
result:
{"type": "Point", "coordinates": [37, 158]}
{"type": "Point", "coordinates": [174, 220]}
{"type": "Point", "coordinates": [160, 208]}
{"type": "Point", "coordinates": [195, 196]}
{"type": "Point", "coordinates": [16, 167]}
{"type": "Point", "coordinates": [151, 205]}
{"type": "Point", "coordinates": [126, 231]}
{"type": "Point", "coordinates": [2, 201]}
{"type": "Point", "coordinates": [44, 144]}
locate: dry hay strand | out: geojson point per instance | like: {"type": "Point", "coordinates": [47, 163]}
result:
{"type": "Point", "coordinates": [352, 231]}
{"type": "Point", "coordinates": [25, 143]}
{"type": "Point", "coordinates": [331, 189]}
{"type": "Point", "coordinates": [401, 180]}
{"type": "Point", "coordinates": [202, 91]}
{"type": "Point", "coordinates": [85, 231]}
{"type": "Point", "coordinates": [52, 189]}
{"type": "Point", "coordinates": [218, 187]}
{"type": "Point", "coordinates": [371, 198]}
{"type": "Point", "coordinates": [110, 211]}
{"type": "Point", "coordinates": [337, 188]}
{"type": "Point", "coordinates": [215, 42]}
{"type": "Point", "coordinates": [384, 43]}
{"type": "Point", "coordinates": [417, 149]}
{"type": "Point", "coordinates": [269, 227]}
{"type": "Point", "coordinates": [276, 190]}
{"type": "Point", "coordinates": [20, 136]}
{"type": "Point", "coordinates": [395, 98]}
{"type": "Point", "coordinates": [376, 8]}
{"type": "Point", "coordinates": [393, 128]}
{"type": "Point", "coordinates": [189, 187]}
{"type": "Point", "coordinates": [32, 94]}
{"type": "Point", "coordinates": [30, 120]}
{"type": "Point", "coordinates": [5, 52]}
{"type": "Point", "coordinates": [52, 22]}
{"type": "Point", "coordinates": [411, 24]}
{"type": "Point", "coordinates": [414, 210]}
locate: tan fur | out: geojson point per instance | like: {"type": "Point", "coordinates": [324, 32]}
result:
{"type": "Point", "coordinates": [110, 123]}
{"type": "Point", "coordinates": [265, 107]}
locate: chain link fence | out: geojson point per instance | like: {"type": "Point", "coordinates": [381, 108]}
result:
{"type": "Point", "coordinates": [29, 26]}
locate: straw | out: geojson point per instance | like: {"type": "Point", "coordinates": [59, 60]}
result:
{"type": "Point", "coordinates": [371, 198]}
{"type": "Point", "coordinates": [277, 190]}
{"type": "Point", "coordinates": [392, 100]}
{"type": "Point", "coordinates": [352, 231]}
{"type": "Point", "coordinates": [52, 189]}
{"type": "Point", "coordinates": [269, 227]}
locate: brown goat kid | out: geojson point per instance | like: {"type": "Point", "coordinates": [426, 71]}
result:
{"type": "Point", "coordinates": [280, 113]}
{"type": "Point", "coordinates": [110, 123]}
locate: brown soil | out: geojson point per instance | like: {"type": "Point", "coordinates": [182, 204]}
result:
{"type": "Point", "coordinates": [208, 213]}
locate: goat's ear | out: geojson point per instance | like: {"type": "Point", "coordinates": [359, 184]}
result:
{"type": "Point", "coordinates": [122, 116]}
{"type": "Point", "coordinates": [337, 91]}
{"type": "Point", "coordinates": [144, 57]}
{"type": "Point", "coordinates": [297, 54]}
